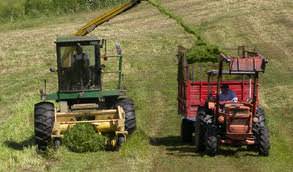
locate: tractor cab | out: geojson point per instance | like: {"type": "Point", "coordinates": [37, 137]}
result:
{"type": "Point", "coordinates": [236, 83]}
{"type": "Point", "coordinates": [232, 103]}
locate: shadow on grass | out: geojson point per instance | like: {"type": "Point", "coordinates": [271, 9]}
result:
{"type": "Point", "coordinates": [174, 146]}
{"type": "Point", "coordinates": [236, 151]}
{"type": "Point", "coordinates": [27, 143]}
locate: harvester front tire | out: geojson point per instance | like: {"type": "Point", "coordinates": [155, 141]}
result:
{"type": "Point", "coordinates": [263, 141]}
{"type": "Point", "coordinates": [43, 121]}
{"type": "Point", "coordinates": [130, 118]}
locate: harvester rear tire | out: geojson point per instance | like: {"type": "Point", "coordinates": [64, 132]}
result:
{"type": "Point", "coordinates": [187, 129]}
{"type": "Point", "coordinates": [263, 141]}
{"type": "Point", "coordinates": [43, 121]}
{"type": "Point", "coordinates": [130, 118]}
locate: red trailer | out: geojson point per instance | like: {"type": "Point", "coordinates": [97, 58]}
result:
{"type": "Point", "coordinates": [195, 96]}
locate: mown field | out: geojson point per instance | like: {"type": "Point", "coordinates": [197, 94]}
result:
{"type": "Point", "coordinates": [17, 10]}
{"type": "Point", "coordinates": [149, 40]}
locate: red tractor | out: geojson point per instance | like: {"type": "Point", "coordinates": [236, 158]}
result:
{"type": "Point", "coordinates": [210, 119]}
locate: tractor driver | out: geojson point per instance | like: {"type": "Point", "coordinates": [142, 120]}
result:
{"type": "Point", "coordinates": [227, 94]}
{"type": "Point", "coordinates": [80, 65]}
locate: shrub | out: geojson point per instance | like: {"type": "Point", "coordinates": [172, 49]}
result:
{"type": "Point", "coordinates": [83, 138]}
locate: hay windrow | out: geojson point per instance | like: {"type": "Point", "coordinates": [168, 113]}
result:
{"type": "Point", "coordinates": [203, 52]}
{"type": "Point", "coordinates": [83, 138]}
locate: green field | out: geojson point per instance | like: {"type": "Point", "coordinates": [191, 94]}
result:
{"type": "Point", "coordinates": [17, 10]}
{"type": "Point", "coordinates": [149, 39]}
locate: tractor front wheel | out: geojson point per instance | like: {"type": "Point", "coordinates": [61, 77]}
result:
{"type": "Point", "coordinates": [130, 118]}
{"type": "Point", "coordinates": [263, 141]}
{"type": "Point", "coordinates": [211, 140]}
{"type": "Point", "coordinates": [261, 133]}
{"type": "Point", "coordinates": [44, 121]}
{"type": "Point", "coordinates": [198, 137]}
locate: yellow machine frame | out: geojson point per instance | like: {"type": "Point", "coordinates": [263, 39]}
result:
{"type": "Point", "coordinates": [104, 121]}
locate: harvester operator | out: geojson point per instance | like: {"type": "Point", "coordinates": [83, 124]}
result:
{"type": "Point", "coordinates": [80, 65]}
{"type": "Point", "coordinates": [80, 58]}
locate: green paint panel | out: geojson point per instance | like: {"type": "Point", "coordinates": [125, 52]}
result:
{"type": "Point", "coordinates": [83, 95]}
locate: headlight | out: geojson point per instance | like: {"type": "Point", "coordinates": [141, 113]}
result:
{"type": "Point", "coordinates": [255, 119]}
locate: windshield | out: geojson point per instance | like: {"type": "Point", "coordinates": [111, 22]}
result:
{"type": "Point", "coordinates": [71, 54]}
{"type": "Point", "coordinates": [79, 68]}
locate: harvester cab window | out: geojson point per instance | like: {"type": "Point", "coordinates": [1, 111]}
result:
{"type": "Point", "coordinates": [78, 66]}
{"type": "Point", "coordinates": [70, 55]}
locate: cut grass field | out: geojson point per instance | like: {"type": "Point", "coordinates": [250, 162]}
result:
{"type": "Point", "coordinates": [149, 40]}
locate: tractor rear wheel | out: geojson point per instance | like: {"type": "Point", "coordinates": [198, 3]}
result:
{"type": "Point", "coordinates": [187, 129]}
{"type": "Point", "coordinates": [263, 141]}
{"type": "Point", "coordinates": [44, 121]}
{"type": "Point", "coordinates": [130, 118]}
{"type": "Point", "coordinates": [211, 141]}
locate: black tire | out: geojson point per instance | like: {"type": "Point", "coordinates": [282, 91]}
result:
{"type": "Point", "coordinates": [201, 123]}
{"type": "Point", "coordinates": [198, 137]}
{"type": "Point", "coordinates": [260, 114]}
{"type": "Point", "coordinates": [57, 143]}
{"type": "Point", "coordinates": [44, 122]}
{"type": "Point", "coordinates": [186, 131]}
{"type": "Point", "coordinates": [261, 133]}
{"type": "Point", "coordinates": [120, 142]}
{"type": "Point", "coordinates": [263, 141]}
{"type": "Point", "coordinates": [211, 141]}
{"type": "Point", "coordinates": [130, 118]}
{"type": "Point", "coordinates": [261, 122]}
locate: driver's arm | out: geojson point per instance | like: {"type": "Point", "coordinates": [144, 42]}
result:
{"type": "Point", "coordinates": [233, 96]}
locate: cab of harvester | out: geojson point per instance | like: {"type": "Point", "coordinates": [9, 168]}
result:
{"type": "Point", "coordinates": [236, 119]}
{"type": "Point", "coordinates": [89, 91]}
{"type": "Point", "coordinates": [79, 63]}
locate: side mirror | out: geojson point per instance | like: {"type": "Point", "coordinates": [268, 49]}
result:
{"type": "Point", "coordinates": [118, 49]}
{"type": "Point", "coordinates": [43, 91]}
{"type": "Point", "coordinates": [52, 69]}
{"type": "Point", "coordinates": [105, 58]}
